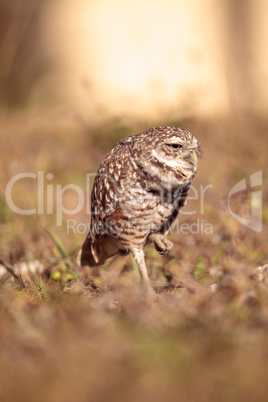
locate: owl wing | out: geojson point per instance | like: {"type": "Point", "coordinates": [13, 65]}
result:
{"type": "Point", "coordinates": [131, 220]}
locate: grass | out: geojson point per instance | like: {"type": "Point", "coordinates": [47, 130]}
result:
{"type": "Point", "coordinates": [67, 334]}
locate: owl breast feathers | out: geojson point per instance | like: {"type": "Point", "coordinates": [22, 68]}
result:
{"type": "Point", "coordinates": [138, 190]}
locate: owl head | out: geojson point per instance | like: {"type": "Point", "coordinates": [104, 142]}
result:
{"type": "Point", "coordinates": [169, 154]}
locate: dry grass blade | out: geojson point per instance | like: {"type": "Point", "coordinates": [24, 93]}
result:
{"type": "Point", "coordinates": [58, 243]}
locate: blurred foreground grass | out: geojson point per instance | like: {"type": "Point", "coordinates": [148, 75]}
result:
{"type": "Point", "coordinates": [68, 335]}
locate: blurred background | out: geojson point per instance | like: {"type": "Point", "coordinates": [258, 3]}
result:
{"type": "Point", "coordinates": [76, 76]}
{"type": "Point", "coordinates": [136, 59]}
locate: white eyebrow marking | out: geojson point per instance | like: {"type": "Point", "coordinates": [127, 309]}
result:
{"type": "Point", "coordinates": [174, 139]}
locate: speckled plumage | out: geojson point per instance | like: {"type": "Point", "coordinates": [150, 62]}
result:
{"type": "Point", "coordinates": [138, 190]}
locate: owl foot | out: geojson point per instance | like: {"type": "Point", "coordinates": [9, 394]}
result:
{"type": "Point", "coordinates": [161, 243]}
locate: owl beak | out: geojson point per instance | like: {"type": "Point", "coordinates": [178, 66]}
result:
{"type": "Point", "coordinates": [194, 158]}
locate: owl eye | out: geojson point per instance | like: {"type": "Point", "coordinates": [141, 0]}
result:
{"type": "Point", "coordinates": [175, 146]}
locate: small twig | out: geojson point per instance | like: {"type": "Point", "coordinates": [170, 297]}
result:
{"type": "Point", "coordinates": [18, 278]}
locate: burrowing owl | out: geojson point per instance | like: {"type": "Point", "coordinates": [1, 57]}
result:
{"type": "Point", "coordinates": [138, 191]}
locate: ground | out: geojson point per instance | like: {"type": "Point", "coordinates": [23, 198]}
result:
{"type": "Point", "coordinates": [70, 334]}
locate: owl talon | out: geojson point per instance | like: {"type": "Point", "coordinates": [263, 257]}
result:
{"type": "Point", "coordinates": [161, 243]}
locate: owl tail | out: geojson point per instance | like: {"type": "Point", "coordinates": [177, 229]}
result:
{"type": "Point", "coordinates": [88, 254]}
{"type": "Point", "coordinates": [95, 251]}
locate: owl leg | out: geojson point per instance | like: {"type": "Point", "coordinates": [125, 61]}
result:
{"type": "Point", "coordinates": [139, 257]}
{"type": "Point", "coordinates": [161, 243]}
